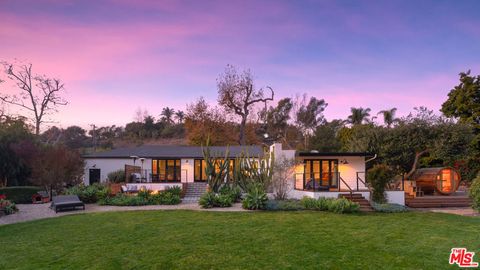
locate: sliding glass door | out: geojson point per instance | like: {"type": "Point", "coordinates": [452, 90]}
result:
{"type": "Point", "coordinates": [166, 170]}
{"type": "Point", "coordinates": [321, 174]}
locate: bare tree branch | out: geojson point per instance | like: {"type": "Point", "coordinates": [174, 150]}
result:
{"type": "Point", "coordinates": [237, 94]}
{"type": "Point", "coordinates": [38, 94]}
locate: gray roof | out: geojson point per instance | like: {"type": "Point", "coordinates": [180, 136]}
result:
{"type": "Point", "coordinates": [176, 151]}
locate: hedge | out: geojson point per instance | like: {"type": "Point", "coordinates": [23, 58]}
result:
{"type": "Point", "coordinates": [20, 194]}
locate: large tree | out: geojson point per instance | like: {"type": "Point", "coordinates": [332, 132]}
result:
{"type": "Point", "coordinates": [309, 116]}
{"type": "Point", "coordinates": [180, 116]}
{"type": "Point", "coordinates": [38, 94]}
{"type": "Point", "coordinates": [167, 115]}
{"type": "Point", "coordinates": [238, 95]}
{"type": "Point", "coordinates": [325, 137]}
{"type": "Point", "coordinates": [464, 103]}
{"type": "Point", "coordinates": [358, 116]}
{"type": "Point", "coordinates": [204, 122]}
{"type": "Point", "coordinates": [276, 119]}
{"type": "Point", "coordinates": [13, 170]}
{"type": "Point", "coordinates": [388, 116]}
{"type": "Point", "coordinates": [55, 166]}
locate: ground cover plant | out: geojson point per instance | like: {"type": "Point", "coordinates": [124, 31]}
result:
{"type": "Point", "coordinates": [388, 207]}
{"type": "Point", "coordinates": [232, 240]}
{"type": "Point", "coordinates": [334, 205]}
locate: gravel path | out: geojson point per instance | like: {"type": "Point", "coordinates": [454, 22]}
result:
{"type": "Point", "coordinates": [29, 212]}
{"type": "Point", "coordinates": [462, 211]}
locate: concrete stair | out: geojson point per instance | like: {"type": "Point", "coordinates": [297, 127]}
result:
{"type": "Point", "coordinates": [194, 191]}
{"type": "Point", "coordinates": [438, 201]}
{"type": "Point", "coordinates": [358, 198]}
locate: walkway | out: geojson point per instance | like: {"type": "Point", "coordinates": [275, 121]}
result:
{"type": "Point", "coordinates": [28, 212]}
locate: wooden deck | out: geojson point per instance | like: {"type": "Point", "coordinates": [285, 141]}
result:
{"type": "Point", "coordinates": [458, 199]}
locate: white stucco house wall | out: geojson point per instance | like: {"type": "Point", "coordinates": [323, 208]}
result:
{"type": "Point", "coordinates": [161, 166]}
{"type": "Point", "coordinates": [316, 174]}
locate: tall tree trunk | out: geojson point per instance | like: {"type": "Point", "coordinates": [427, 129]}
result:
{"type": "Point", "coordinates": [241, 139]}
{"type": "Point", "coordinates": [37, 127]}
{"type": "Point", "coordinates": [415, 163]}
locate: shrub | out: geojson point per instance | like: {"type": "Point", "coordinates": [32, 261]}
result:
{"type": "Point", "coordinates": [89, 194]}
{"type": "Point", "coordinates": [309, 203]}
{"type": "Point", "coordinates": [320, 204]}
{"type": "Point", "coordinates": [211, 199]}
{"type": "Point", "coordinates": [20, 194]}
{"type": "Point", "coordinates": [117, 176]}
{"type": "Point", "coordinates": [224, 200]}
{"type": "Point", "coordinates": [389, 207]}
{"type": "Point", "coordinates": [343, 205]}
{"type": "Point", "coordinates": [474, 192]}
{"type": "Point", "coordinates": [208, 200]}
{"type": "Point", "coordinates": [176, 190]}
{"type": "Point", "coordinates": [124, 200]}
{"type": "Point", "coordinates": [378, 177]}
{"type": "Point", "coordinates": [233, 191]}
{"type": "Point", "coordinates": [324, 203]}
{"type": "Point", "coordinates": [144, 193]}
{"type": "Point", "coordinates": [165, 198]}
{"type": "Point", "coordinates": [284, 205]}
{"type": "Point", "coordinates": [255, 199]}
{"type": "Point", "coordinates": [284, 169]}
{"type": "Point", "coordinates": [7, 207]}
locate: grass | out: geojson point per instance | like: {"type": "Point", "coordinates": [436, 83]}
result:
{"type": "Point", "coordinates": [248, 240]}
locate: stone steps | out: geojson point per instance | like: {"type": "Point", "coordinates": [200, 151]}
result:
{"type": "Point", "coordinates": [194, 191]}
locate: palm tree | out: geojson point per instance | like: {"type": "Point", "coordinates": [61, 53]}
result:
{"type": "Point", "coordinates": [388, 116]}
{"type": "Point", "coordinates": [180, 116]}
{"type": "Point", "coordinates": [167, 115]}
{"type": "Point", "coordinates": [358, 116]}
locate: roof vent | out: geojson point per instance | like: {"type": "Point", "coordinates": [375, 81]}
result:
{"type": "Point", "coordinates": [314, 151]}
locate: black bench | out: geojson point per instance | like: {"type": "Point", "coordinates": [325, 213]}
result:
{"type": "Point", "coordinates": [63, 202]}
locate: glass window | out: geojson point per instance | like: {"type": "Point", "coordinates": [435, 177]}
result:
{"type": "Point", "coordinates": [198, 170]}
{"type": "Point", "coordinates": [166, 170]}
{"type": "Point", "coordinates": [204, 174]}
{"type": "Point", "coordinates": [154, 166]}
{"type": "Point", "coordinates": [161, 169]}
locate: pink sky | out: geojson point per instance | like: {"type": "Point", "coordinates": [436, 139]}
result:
{"type": "Point", "coordinates": [116, 56]}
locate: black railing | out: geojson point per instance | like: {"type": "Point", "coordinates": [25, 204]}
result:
{"type": "Point", "coordinates": [350, 190]}
{"type": "Point", "coordinates": [360, 180]}
{"type": "Point", "coordinates": [317, 181]}
{"type": "Point", "coordinates": [147, 176]}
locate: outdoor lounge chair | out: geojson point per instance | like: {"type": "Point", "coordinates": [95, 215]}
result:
{"type": "Point", "coordinates": [66, 202]}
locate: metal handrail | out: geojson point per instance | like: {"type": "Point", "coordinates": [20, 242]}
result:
{"type": "Point", "coordinates": [349, 188]}
{"type": "Point", "coordinates": [310, 180]}
{"type": "Point", "coordinates": [370, 191]}
{"type": "Point", "coordinates": [361, 180]}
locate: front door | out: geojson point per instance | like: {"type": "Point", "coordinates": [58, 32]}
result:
{"type": "Point", "coordinates": [94, 176]}
{"type": "Point", "coordinates": [321, 174]}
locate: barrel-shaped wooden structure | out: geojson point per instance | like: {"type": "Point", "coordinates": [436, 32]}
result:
{"type": "Point", "coordinates": [441, 180]}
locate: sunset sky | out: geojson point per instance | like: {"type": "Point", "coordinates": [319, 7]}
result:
{"type": "Point", "coordinates": [116, 56]}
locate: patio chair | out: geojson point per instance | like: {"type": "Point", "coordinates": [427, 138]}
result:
{"type": "Point", "coordinates": [63, 202]}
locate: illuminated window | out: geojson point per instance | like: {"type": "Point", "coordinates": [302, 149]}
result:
{"type": "Point", "coordinates": [166, 170]}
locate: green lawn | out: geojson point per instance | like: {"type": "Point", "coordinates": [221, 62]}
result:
{"type": "Point", "coordinates": [221, 240]}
